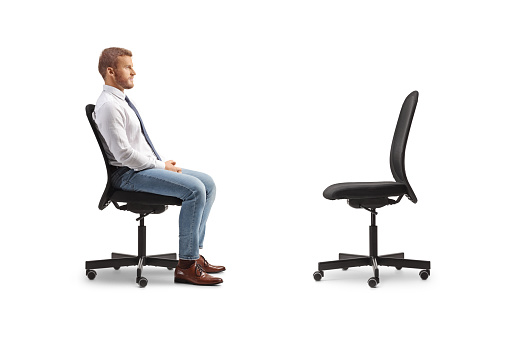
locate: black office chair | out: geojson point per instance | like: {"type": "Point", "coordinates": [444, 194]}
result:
{"type": "Point", "coordinates": [373, 195]}
{"type": "Point", "coordinates": [136, 202]}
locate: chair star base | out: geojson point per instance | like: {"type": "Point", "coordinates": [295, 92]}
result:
{"type": "Point", "coordinates": [374, 260]}
{"type": "Point", "coordinates": [396, 260]}
{"type": "Point", "coordinates": [168, 260]}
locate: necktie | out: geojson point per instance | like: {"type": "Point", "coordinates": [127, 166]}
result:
{"type": "Point", "coordinates": [143, 130]}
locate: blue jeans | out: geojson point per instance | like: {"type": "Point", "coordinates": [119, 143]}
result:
{"type": "Point", "coordinates": [196, 190]}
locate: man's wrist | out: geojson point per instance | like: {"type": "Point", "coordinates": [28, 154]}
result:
{"type": "Point", "coordinates": [160, 164]}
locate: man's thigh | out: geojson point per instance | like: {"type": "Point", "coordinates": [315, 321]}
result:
{"type": "Point", "coordinates": [163, 182]}
{"type": "Point", "coordinates": [203, 177]}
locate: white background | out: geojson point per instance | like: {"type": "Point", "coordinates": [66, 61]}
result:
{"type": "Point", "coordinates": [276, 100]}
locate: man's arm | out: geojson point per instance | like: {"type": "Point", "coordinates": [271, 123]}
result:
{"type": "Point", "coordinates": [111, 122]}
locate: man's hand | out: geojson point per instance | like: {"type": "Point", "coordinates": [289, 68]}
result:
{"type": "Point", "coordinates": [170, 166]}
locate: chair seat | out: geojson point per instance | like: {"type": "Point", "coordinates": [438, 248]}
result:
{"type": "Point", "coordinates": [143, 198]}
{"type": "Point", "coordinates": [364, 190]}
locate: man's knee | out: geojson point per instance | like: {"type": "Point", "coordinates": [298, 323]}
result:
{"type": "Point", "coordinates": [197, 190]}
{"type": "Point", "coordinates": [211, 186]}
{"type": "Point", "coordinates": [209, 183]}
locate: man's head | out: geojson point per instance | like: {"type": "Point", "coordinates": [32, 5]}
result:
{"type": "Point", "coordinates": [116, 68]}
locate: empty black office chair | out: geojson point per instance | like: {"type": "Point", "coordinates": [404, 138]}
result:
{"type": "Point", "coordinates": [373, 195]}
{"type": "Point", "coordinates": [136, 202]}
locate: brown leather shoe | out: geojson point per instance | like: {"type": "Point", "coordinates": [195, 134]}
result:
{"type": "Point", "coordinates": [195, 275]}
{"type": "Point", "coordinates": [208, 267]}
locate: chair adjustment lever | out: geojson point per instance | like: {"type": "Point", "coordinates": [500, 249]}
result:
{"type": "Point", "coordinates": [394, 202]}
{"type": "Point", "coordinates": [144, 215]}
{"type": "Point", "coordinates": [370, 210]}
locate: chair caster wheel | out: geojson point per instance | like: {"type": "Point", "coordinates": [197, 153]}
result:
{"type": "Point", "coordinates": [170, 268]}
{"type": "Point", "coordinates": [345, 268]}
{"type": "Point", "coordinates": [116, 268]}
{"type": "Point", "coordinates": [318, 275]}
{"type": "Point", "coordinates": [142, 281]}
{"type": "Point", "coordinates": [91, 274]}
{"type": "Point", "coordinates": [399, 268]}
{"type": "Point", "coordinates": [372, 282]}
{"type": "Point", "coordinates": [424, 274]}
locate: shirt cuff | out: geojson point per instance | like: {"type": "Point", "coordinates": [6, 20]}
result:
{"type": "Point", "coordinates": [160, 164]}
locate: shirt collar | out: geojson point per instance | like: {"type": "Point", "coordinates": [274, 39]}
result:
{"type": "Point", "coordinates": [115, 91]}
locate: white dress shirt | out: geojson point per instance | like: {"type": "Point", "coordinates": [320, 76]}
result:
{"type": "Point", "coordinates": [121, 132]}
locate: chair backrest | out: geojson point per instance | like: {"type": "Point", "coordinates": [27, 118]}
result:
{"type": "Point", "coordinates": [108, 191]}
{"type": "Point", "coordinates": [399, 142]}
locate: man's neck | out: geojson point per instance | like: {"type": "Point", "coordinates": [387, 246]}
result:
{"type": "Point", "coordinates": [114, 84]}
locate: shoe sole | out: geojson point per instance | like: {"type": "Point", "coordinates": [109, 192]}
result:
{"type": "Point", "coordinates": [215, 272]}
{"type": "Point", "coordinates": [183, 281]}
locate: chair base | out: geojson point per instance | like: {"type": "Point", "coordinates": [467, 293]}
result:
{"type": "Point", "coordinates": [396, 260]}
{"type": "Point", "coordinates": [168, 260]}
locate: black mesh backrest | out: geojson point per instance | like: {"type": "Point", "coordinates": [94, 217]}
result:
{"type": "Point", "coordinates": [108, 191]}
{"type": "Point", "coordinates": [399, 142]}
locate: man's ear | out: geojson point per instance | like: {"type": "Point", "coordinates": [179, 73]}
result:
{"type": "Point", "coordinates": [110, 71]}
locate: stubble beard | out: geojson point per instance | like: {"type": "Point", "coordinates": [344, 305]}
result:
{"type": "Point", "coordinates": [125, 84]}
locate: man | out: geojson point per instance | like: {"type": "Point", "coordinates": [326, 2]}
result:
{"type": "Point", "coordinates": [140, 167]}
